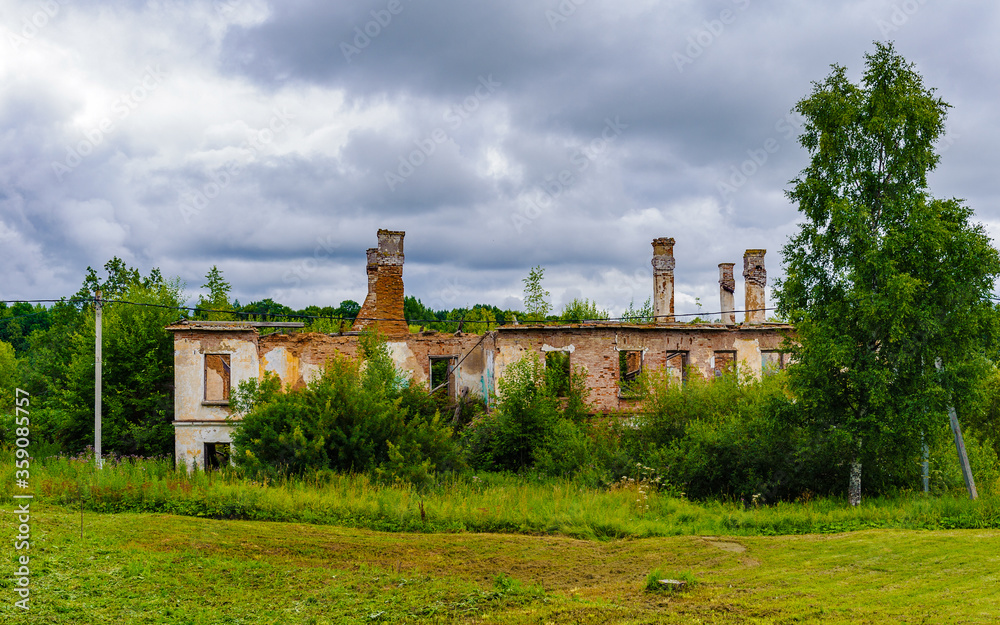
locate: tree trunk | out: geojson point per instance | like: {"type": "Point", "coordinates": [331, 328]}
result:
{"type": "Point", "coordinates": [854, 488]}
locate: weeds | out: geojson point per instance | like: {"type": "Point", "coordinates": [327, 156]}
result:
{"type": "Point", "coordinates": [485, 502]}
{"type": "Point", "coordinates": [656, 578]}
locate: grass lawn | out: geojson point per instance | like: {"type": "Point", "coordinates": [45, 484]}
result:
{"type": "Point", "coordinates": [157, 568]}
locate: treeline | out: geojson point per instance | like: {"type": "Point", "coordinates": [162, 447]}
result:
{"type": "Point", "coordinates": [47, 349]}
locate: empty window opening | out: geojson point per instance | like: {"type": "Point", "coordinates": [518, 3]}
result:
{"type": "Point", "coordinates": [724, 362]}
{"type": "Point", "coordinates": [677, 366]}
{"type": "Point", "coordinates": [443, 374]}
{"type": "Point", "coordinates": [217, 378]}
{"type": "Point", "coordinates": [557, 372]}
{"type": "Point", "coordinates": [217, 455]}
{"type": "Point", "coordinates": [771, 362]}
{"type": "Point", "coordinates": [629, 369]}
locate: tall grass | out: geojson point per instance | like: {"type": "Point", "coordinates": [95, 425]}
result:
{"type": "Point", "coordinates": [480, 503]}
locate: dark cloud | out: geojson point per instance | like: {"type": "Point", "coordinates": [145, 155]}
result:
{"type": "Point", "coordinates": [278, 139]}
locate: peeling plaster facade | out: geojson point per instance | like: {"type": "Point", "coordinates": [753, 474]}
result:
{"type": "Point", "coordinates": [479, 360]}
{"type": "Point", "coordinates": [296, 359]}
{"type": "Point", "coordinates": [199, 418]}
{"type": "Point", "coordinates": [203, 349]}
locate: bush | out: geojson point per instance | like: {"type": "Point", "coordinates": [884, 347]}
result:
{"type": "Point", "coordinates": [533, 424]}
{"type": "Point", "coordinates": [735, 436]}
{"type": "Point", "coordinates": [353, 418]}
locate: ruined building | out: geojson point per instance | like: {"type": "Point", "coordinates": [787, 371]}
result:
{"type": "Point", "coordinates": [212, 357]}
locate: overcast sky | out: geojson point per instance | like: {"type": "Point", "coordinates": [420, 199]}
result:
{"type": "Point", "coordinates": [273, 139]}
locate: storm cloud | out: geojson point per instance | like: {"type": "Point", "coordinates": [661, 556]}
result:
{"type": "Point", "coordinates": [273, 139]}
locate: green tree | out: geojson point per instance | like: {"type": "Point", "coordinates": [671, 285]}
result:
{"type": "Point", "coordinates": [643, 314]}
{"type": "Point", "coordinates": [218, 297]}
{"type": "Point", "coordinates": [415, 312]}
{"type": "Point", "coordinates": [8, 376]}
{"type": "Point", "coordinates": [19, 321]}
{"type": "Point", "coordinates": [535, 304]}
{"type": "Point", "coordinates": [882, 280]}
{"type": "Point", "coordinates": [348, 309]}
{"type": "Point", "coordinates": [580, 310]}
{"type": "Point", "coordinates": [137, 369]}
{"type": "Point", "coordinates": [476, 320]}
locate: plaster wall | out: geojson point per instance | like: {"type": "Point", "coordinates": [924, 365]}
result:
{"type": "Point", "coordinates": [190, 439]}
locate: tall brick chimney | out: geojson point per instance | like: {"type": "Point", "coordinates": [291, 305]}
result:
{"type": "Point", "coordinates": [372, 269]}
{"type": "Point", "coordinates": [663, 280]}
{"type": "Point", "coordinates": [383, 307]}
{"type": "Point", "coordinates": [727, 286]}
{"type": "Point", "coordinates": [756, 281]}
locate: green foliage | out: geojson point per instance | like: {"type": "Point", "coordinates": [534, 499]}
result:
{"type": "Point", "coordinates": [416, 313]}
{"type": "Point", "coordinates": [455, 503]}
{"type": "Point", "coordinates": [643, 314]}
{"type": "Point", "coordinates": [653, 581]}
{"type": "Point", "coordinates": [578, 310]}
{"type": "Point", "coordinates": [476, 320]}
{"type": "Point", "coordinates": [882, 280]}
{"type": "Point", "coordinates": [137, 368]}
{"type": "Point", "coordinates": [8, 383]}
{"type": "Point", "coordinates": [331, 320]}
{"type": "Point", "coordinates": [535, 305]}
{"type": "Point", "coordinates": [265, 310]}
{"type": "Point", "coordinates": [18, 321]}
{"type": "Point", "coordinates": [163, 574]}
{"type": "Point", "coordinates": [979, 406]}
{"type": "Point", "coordinates": [217, 298]}
{"type": "Point", "coordinates": [538, 418]}
{"type": "Point", "coordinates": [735, 436]}
{"type": "Point", "coordinates": [355, 417]}
{"type": "Point", "coordinates": [120, 278]}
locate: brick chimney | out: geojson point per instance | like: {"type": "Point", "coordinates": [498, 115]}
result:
{"type": "Point", "coordinates": [756, 281]}
{"type": "Point", "coordinates": [727, 286]}
{"type": "Point", "coordinates": [663, 280]}
{"type": "Point", "coordinates": [372, 269]}
{"type": "Point", "coordinates": [383, 307]}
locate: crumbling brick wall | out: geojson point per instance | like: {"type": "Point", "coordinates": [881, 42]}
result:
{"type": "Point", "coordinates": [595, 348]}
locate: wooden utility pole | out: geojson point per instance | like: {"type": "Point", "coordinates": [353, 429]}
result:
{"type": "Point", "coordinates": [97, 379]}
{"type": "Point", "coordinates": [963, 458]}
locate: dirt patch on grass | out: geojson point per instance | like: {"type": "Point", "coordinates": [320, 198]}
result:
{"type": "Point", "coordinates": [726, 545]}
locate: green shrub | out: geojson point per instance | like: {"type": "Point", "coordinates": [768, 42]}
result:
{"type": "Point", "coordinates": [352, 418]}
{"type": "Point", "coordinates": [537, 408]}
{"type": "Point", "coordinates": [735, 436]}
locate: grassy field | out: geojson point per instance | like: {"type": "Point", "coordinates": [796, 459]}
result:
{"type": "Point", "coordinates": [494, 503]}
{"type": "Point", "coordinates": [157, 568]}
